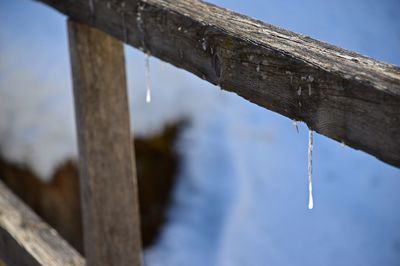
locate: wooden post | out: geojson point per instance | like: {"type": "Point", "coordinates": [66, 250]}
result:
{"type": "Point", "coordinates": [108, 179]}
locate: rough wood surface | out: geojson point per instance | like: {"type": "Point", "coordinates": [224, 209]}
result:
{"type": "Point", "coordinates": [340, 94]}
{"type": "Point", "coordinates": [108, 179]}
{"type": "Point", "coordinates": [25, 240]}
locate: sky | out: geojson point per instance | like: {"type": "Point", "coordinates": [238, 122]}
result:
{"type": "Point", "coordinates": [241, 196]}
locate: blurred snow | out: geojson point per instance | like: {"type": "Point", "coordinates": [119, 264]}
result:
{"type": "Point", "coordinates": [241, 198]}
{"type": "Point", "coordinates": [36, 110]}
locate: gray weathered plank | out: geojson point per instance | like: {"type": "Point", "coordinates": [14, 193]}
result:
{"type": "Point", "coordinates": [345, 96]}
{"type": "Point", "coordinates": [25, 240]}
{"type": "Point", "coordinates": [106, 160]}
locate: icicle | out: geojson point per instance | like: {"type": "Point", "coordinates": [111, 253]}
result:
{"type": "Point", "coordinates": [296, 125]}
{"type": "Point", "coordinates": [299, 91]}
{"type": "Point", "coordinates": [147, 75]}
{"type": "Point", "coordinates": [310, 148]}
{"type": "Point", "coordinates": [140, 24]}
{"type": "Point", "coordinates": [258, 68]}
{"type": "Point", "coordinates": [309, 90]}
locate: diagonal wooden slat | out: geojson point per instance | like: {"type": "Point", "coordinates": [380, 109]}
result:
{"type": "Point", "coordinates": [25, 240]}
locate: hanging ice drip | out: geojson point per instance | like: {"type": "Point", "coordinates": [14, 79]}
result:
{"type": "Point", "coordinates": [310, 149]}
{"type": "Point", "coordinates": [140, 26]}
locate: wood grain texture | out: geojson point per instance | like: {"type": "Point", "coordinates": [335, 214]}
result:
{"type": "Point", "coordinates": [108, 179]}
{"type": "Point", "coordinates": [25, 240]}
{"type": "Point", "coordinates": [340, 94]}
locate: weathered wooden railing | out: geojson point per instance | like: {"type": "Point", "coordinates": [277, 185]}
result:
{"type": "Point", "coordinates": [340, 94]}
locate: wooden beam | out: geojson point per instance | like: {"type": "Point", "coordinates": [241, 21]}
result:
{"type": "Point", "coordinates": [340, 94]}
{"type": "Point", "coordinates": [108, 179]}
{"type": "Point", "coordinates": [25, 240]}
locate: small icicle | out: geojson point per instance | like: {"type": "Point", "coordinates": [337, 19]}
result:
{"type": "Point", "coordinates": [310, 149]}
{"type": "Point", "coordinates": [147, 75]}
{"type": "Point", "coordinates": [296, 125]}
{"type": "Point", "coordinates": [309, 90]}
{"type": "Point", "coordinates": [258, 68]}
{"type": "Point", "coordinates": [299, 91]}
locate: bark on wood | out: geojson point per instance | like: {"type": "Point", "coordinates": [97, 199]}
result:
{"type": "Point", "coordinates": [340, 94]}
{"type": "Point", "coordinates": [25, 240]}
{"type": "Point", "coordinates": [108, 179]}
